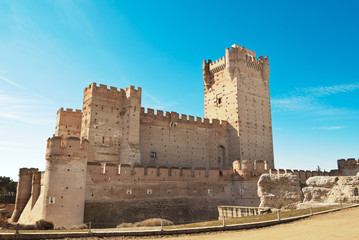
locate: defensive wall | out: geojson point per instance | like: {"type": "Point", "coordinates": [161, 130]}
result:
{"type": "Point", "coordinates": [109, 193]}
{"type": "Point", "coordinates": [348, 167]}
{"type": "Point", "coordinates": [171, 139]}
{"type": "Point", "coordinates": [164, 138]}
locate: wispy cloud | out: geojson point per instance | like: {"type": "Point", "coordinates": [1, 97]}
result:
{"type": "Point", "coordinates": [156, 103]}
{"type": "Point", "coordinates": [330, 128]}
{"type": "Point", "coordinates": [11, 82]}
{"type": "Point", "coordinates": [310, 100]}
{"type": "Point", "coordinates": [24, 105]}
{"type": "Point", "coordinates": [329, 90]}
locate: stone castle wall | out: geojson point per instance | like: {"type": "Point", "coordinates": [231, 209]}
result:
{"type": "Point", "coordinates": [116, 194]}
{"type": "Point", "coordinates": [180, 141]}
{"type": "Point", "coordinates": [348, 167]}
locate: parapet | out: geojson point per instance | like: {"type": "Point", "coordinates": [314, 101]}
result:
{"type": "Point", "coordinates": [70, 111]}
{"type": "Point", "coordinates": [72, 147]}
{"type": "Point", "coordinates": [113, 92]}
{"type": "Point", "coordinates": [234, 56]}
{"type": "Point", "coordinates": [349, 163]}
{"type": "Point", "coordinates": [139, 172]}
{"type": "Point", "coordinates": [173, 117]}
{"type": "Point", "coordinates": [27, 171]}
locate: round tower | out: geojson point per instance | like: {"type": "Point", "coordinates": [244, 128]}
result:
{"type": "Point", "coordinates": [65, 181]}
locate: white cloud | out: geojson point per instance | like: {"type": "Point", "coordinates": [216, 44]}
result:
{"type": "Point", "coordinates": [310, 100]}
{"type": "Point", "coordinates": [329, 90]}
{"type": "Point", "coordinates": [156, 103]}
{"type": "Point", "coordinates": [11, 82]}
{"type": "Point", "coordinates": [24, 105]}
{"type": "Point", "coordinates": [330, 128]}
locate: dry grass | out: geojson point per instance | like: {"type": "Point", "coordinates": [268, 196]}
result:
{"type": "Point", "coordinates": [152, 222]}
{"type": "Point", "coordinates": [252, 219]}
{"type": "Point", "coordinates": [167, 224]}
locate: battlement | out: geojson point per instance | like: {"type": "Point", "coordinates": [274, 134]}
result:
{"type": "Point", "coordinates": [27, 171]}
{"type": "Point", "coordinates": [181, 118]}
{"type": "Point", "coordinates": [128, 92]}
{"type": "Point", "coordinates": [72, 148]}
{"type": "Point", "coordinates": [70, 110]}
{"type": "Point", "coordinates": [139, 172]}
{"type": "Point", "coordinates": [303, 175]}
{"type": "Point", "coordinates": [236, 49]}
{"type": "Point", "coordinates": [349, 163]}
{"type": "Point", "coordinates": [217, 65]}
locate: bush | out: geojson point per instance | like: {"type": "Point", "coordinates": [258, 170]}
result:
{"type": "Point", "coordinates": [82, 226]}
{"type": "Point", "coordinates": [151, 222]}
{"type": "Point", "coordinates": [44, 224]}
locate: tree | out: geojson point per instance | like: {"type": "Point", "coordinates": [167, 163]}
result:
{"type": "Point", "coordinates": [7, 186]}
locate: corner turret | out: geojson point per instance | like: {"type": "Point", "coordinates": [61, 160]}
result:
{"type": "Point", "coordinates": [65, 180]}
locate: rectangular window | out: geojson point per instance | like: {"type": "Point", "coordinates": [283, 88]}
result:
{"type": "Point", "coordinates": [153, 154]}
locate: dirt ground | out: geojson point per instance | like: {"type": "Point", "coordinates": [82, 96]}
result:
{"type": "Point", "coordinates": [338, 225]}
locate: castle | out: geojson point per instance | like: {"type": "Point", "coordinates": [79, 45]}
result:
{"type": "Point", "coordinates": [116, 162]}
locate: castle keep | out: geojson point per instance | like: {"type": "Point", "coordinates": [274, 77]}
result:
{"type": "Point", "coordinates": [115, 161]}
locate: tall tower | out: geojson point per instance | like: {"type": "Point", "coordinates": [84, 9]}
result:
{"type": "Point", "coordinates": [236, 89]}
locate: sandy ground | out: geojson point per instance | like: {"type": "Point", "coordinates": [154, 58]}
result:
{"type": "Point", "coordinates": [338, 225]}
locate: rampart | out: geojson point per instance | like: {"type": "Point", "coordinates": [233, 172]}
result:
{"type": "Point", "coordinates": [113, 92]}
{"type": "Point", "coordinates": [177, 140]}
{"type": "Point", "coordinates": [348, 167]}
{"type": "Point", "coordinates": [71, 147]}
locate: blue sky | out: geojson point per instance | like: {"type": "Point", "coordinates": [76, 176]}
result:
{"type": "Point", "coordinates": [51, 50]}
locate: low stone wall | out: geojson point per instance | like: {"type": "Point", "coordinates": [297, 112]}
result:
{"type": "Point", "coordinates": [239, 211]}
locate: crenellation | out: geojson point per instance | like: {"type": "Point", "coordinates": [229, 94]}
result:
{"type": "Point", "coordinates": [174, 116]}
{"type": "Point", "coordinates": [72, 147]}
{"type": "Point", "coordinates": [113, 89]}
{"type": "Point", "coordinates": [150, 112]}
{"type": "Point", "coordinates": [159, 113]}
{"type": "Point", "coordinates": [27, 171]}
{"type": "Point", "coordinates": [183, 117]}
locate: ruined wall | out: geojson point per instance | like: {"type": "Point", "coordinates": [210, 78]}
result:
{"type": "Point", "coordinates": [110, 122]}
{"type": "Point", "coordinates": [115, 194]}
{"type": "Point", "coordinates": [68, 123]}
{"type": "Point", "coordinates": [174, 140]}
{"type": "Point", "coordinates": [349, 167]}
{"type": "Point", "coordinates": [237, 90]}
{"type": "Point", "coordinates": [23, 193]}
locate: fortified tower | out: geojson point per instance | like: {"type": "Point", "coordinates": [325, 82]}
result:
{"type": "Point", "coordinates": [111, 123]}
{"type": "Point", "coordinates": [65, 181]}
{"type": "Point", "coordinates": [236, 89]}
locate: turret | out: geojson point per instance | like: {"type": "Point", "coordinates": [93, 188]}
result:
{"type": "Point", "coordinates": [65, 180]}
